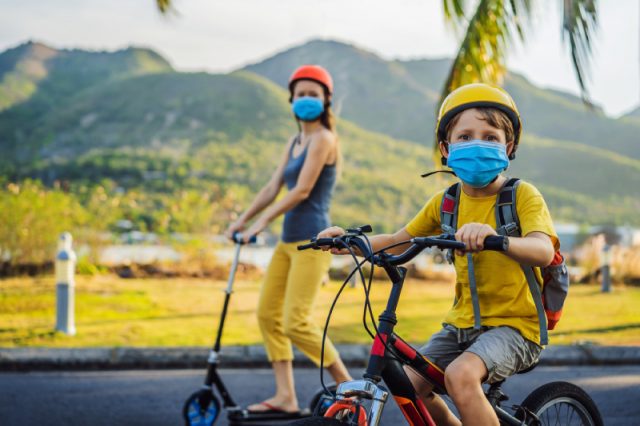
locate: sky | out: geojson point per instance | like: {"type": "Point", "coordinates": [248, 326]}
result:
{"type": "Point", "coordinates": [217, 36]}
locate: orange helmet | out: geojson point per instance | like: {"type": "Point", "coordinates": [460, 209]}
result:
{"type": "Point", "coordinates": [312, 72]}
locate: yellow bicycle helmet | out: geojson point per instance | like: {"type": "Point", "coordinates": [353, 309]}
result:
{"type": "Point", "coordinates": [478, 95]}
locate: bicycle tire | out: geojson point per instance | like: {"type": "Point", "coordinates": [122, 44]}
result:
{"type": "Point", "coordinates": [547, 402]}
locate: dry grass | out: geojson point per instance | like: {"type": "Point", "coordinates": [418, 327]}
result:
{"type": "Point", "coordinates": [175, 312]}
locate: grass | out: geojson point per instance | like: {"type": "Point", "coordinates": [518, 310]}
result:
{"type": "Point", "coordinates": [176, 312]}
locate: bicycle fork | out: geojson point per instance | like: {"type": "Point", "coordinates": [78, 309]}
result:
{"type": "Point", "coordinates": [357, 390]}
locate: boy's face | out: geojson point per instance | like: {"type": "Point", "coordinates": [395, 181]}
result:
{"type": "Point", "coordinates": [472, 125]}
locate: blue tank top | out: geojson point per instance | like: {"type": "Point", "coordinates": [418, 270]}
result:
{"type": "Point", "coordinates": [310, 216]}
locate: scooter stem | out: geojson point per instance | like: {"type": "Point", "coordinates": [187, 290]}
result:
{"type": "Point", "coordinates": [234, 267]}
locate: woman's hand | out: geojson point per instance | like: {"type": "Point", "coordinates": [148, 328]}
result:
{"type": "Point", "coordinates": [473, 235]}
{"type": "Point", "coordinates": [257, 227]}
{"type": "Point", "coordinates": [236, 226]}
{"type": "Point", "coordinates": [333, 232]}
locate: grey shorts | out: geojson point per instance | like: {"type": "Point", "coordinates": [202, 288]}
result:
{"type": "Point", "coordinates": [502, 349]}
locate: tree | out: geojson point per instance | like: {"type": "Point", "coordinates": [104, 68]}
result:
{"type": "Point", "coordinates": [494, 26]}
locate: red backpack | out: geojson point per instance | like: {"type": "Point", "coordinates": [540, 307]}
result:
{"type": "Point", "coordinates": [555, 276]}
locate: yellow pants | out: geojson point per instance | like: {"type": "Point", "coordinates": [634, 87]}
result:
{"type": "Point", "coordinates": [286, 302]}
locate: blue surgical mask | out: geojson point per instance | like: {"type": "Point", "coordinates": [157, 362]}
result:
{"type": "Point", "coordinates": [477, 163]}
{"type": "Point", "coordinates": [307, 108]}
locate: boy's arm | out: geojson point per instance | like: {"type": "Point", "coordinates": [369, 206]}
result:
{"type": "Point", "coordinates": [534, 249]}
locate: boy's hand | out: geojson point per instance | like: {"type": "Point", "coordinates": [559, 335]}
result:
{"type": "Point", "coordinates": [332, 232]}
{"type": "Point", "coordinates": [473, 235]}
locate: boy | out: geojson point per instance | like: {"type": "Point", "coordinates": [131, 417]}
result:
{"type": "Point", "coordinates": [478, 131]}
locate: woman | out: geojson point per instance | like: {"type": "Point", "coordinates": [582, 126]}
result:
{"type": "Point", "coordinates": [308, 167]}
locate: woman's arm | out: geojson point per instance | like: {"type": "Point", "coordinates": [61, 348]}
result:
{"type": "Point", "coordinates": [265, 196]}
{"type": "Point", "coordinates": [319, 151]}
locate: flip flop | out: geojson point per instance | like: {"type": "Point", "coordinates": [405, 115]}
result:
{"type": "Point", "coordinates": [272, 409]}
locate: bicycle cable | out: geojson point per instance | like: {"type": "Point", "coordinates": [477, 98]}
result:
{"type": "Point", "coordinates": [367, 288]}
{"type": "Point", "coordinates": [326, 325]}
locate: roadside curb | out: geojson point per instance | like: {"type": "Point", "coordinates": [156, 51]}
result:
{"type": "Point", "coordinates": [27, 359]}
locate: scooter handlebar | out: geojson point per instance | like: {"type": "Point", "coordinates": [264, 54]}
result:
{"type": "Point", "coordinates": [237, 238]}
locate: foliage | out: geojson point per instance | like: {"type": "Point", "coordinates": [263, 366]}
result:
{"type": "Point", "coordinates": [33, 219]}
{"type": "Point", "coordinates": [171, 152]}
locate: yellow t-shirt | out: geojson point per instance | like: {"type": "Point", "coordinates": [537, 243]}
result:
{"type": "Point", "coordinates": [503, 292]}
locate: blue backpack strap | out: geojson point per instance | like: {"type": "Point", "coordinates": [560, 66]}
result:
{"type": "Point", "coordinates": [449, 225]}
{"type": "Point", "coordinates": [507, 223]}
{"type": "Point", "coordinates": [449, 213]}
{"type": "Point", "coordinates": [534, 288]}
{"type": "Point", "coordinates": [449, 209]}
{"type": "Point", "coordinates": [475, 300]}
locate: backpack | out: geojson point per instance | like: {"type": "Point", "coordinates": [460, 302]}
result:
{"type": "Point", "coordinates": [555, 276]}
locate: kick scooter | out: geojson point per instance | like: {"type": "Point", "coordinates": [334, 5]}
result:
{"type": "Point", "coordinates": [202, 408]}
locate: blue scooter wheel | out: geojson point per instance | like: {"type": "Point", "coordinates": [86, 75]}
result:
{"type": "Point", "coordinates": [321, 401]}
{"type": "Point", "coordinates": [201, 409]}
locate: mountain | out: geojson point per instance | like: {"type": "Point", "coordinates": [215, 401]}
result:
{"type": "Point", "coordinates": [34, 67]}
{"type": "Point", "coordinates": [166, 132]}
{"type": "Point", "coordinates": [132, 124]}
{"type": "Point", "coordinates": [399, 97]}
{"type": "Point", "coordinates": [37, 80]}
{"type": "Point", "coordinates": [376, 94]}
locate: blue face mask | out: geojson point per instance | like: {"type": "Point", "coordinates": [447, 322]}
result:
{"type": "Point", "coordinates": [477, 163]}
{"type": "Point", "coordinates": [307, 108]}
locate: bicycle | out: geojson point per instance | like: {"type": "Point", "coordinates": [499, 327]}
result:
{"type": "Point", "coordinates": [361, 402]}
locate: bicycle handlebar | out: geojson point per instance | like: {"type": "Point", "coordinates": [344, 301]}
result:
{"type": "Point", "coordinates": [444, 241]}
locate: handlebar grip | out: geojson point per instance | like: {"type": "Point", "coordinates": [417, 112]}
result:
{"type": "Point", "coordinates": [316, 243]}
{"type": "Point", "coordinates": [237, 238]}
{"type": "Point", "coordinates": [496, 243]}
{"type": "Point", "coordinates": [326, 242]}
{"type": "Point", "coordinates": [443, 242]}
{"type": "Point", "coordinates": [307, 246]}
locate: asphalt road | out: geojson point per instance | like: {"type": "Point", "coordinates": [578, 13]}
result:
{"type": "Point", "coordinates": [155, 397]}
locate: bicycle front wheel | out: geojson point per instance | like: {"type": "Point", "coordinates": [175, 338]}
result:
{"type": "Point", "coordinates": [560, 403]}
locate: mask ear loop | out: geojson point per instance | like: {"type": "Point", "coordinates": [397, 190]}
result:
{"type": "Point", "coordinates": [443, 160]}
{"type": "Point", "coordinates": [426, 175]}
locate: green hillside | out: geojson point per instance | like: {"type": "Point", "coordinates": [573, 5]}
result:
{"type": "Point", "coordinates": [171, 132]}
{"type": "Point", "coordinates": [36, 80]}
{"type": "Point", "coordinates": [375, 94]}
{"type": "Point", "coordinates": [399, 97]}
{"type": "Point", "coordinates": [176, 151]}
{"type": "Point", "coordinates": [34, 68]}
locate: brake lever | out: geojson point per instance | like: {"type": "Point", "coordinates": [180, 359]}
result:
{"type": "Point", "coordinates": [360, 230]}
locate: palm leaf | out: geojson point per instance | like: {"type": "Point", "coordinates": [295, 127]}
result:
{"type": "Point", "coordinates": [481, 56]}
{"type": "Point", "coordinates": [578, 27]}
{"type": "Point", "coordinates": [163, 6]}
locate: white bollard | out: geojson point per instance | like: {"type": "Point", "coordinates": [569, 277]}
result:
{"type": "Point", "coordinates": [65, 285]}
{"type": "Point", "coordinates": [606, 269]}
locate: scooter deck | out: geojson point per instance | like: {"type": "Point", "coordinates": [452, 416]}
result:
{"type": "Point", "coordinates": [244, 417]}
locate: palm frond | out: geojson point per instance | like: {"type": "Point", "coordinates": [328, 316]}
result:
{"type": "Point", "coordinates": [481, 56]}
{"type": "Point", "coordinates": [578, 27]}
{"type": "Point", "coordinates": [164, 6]}
{"type": "Point", "coordinates": [454, 11]}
